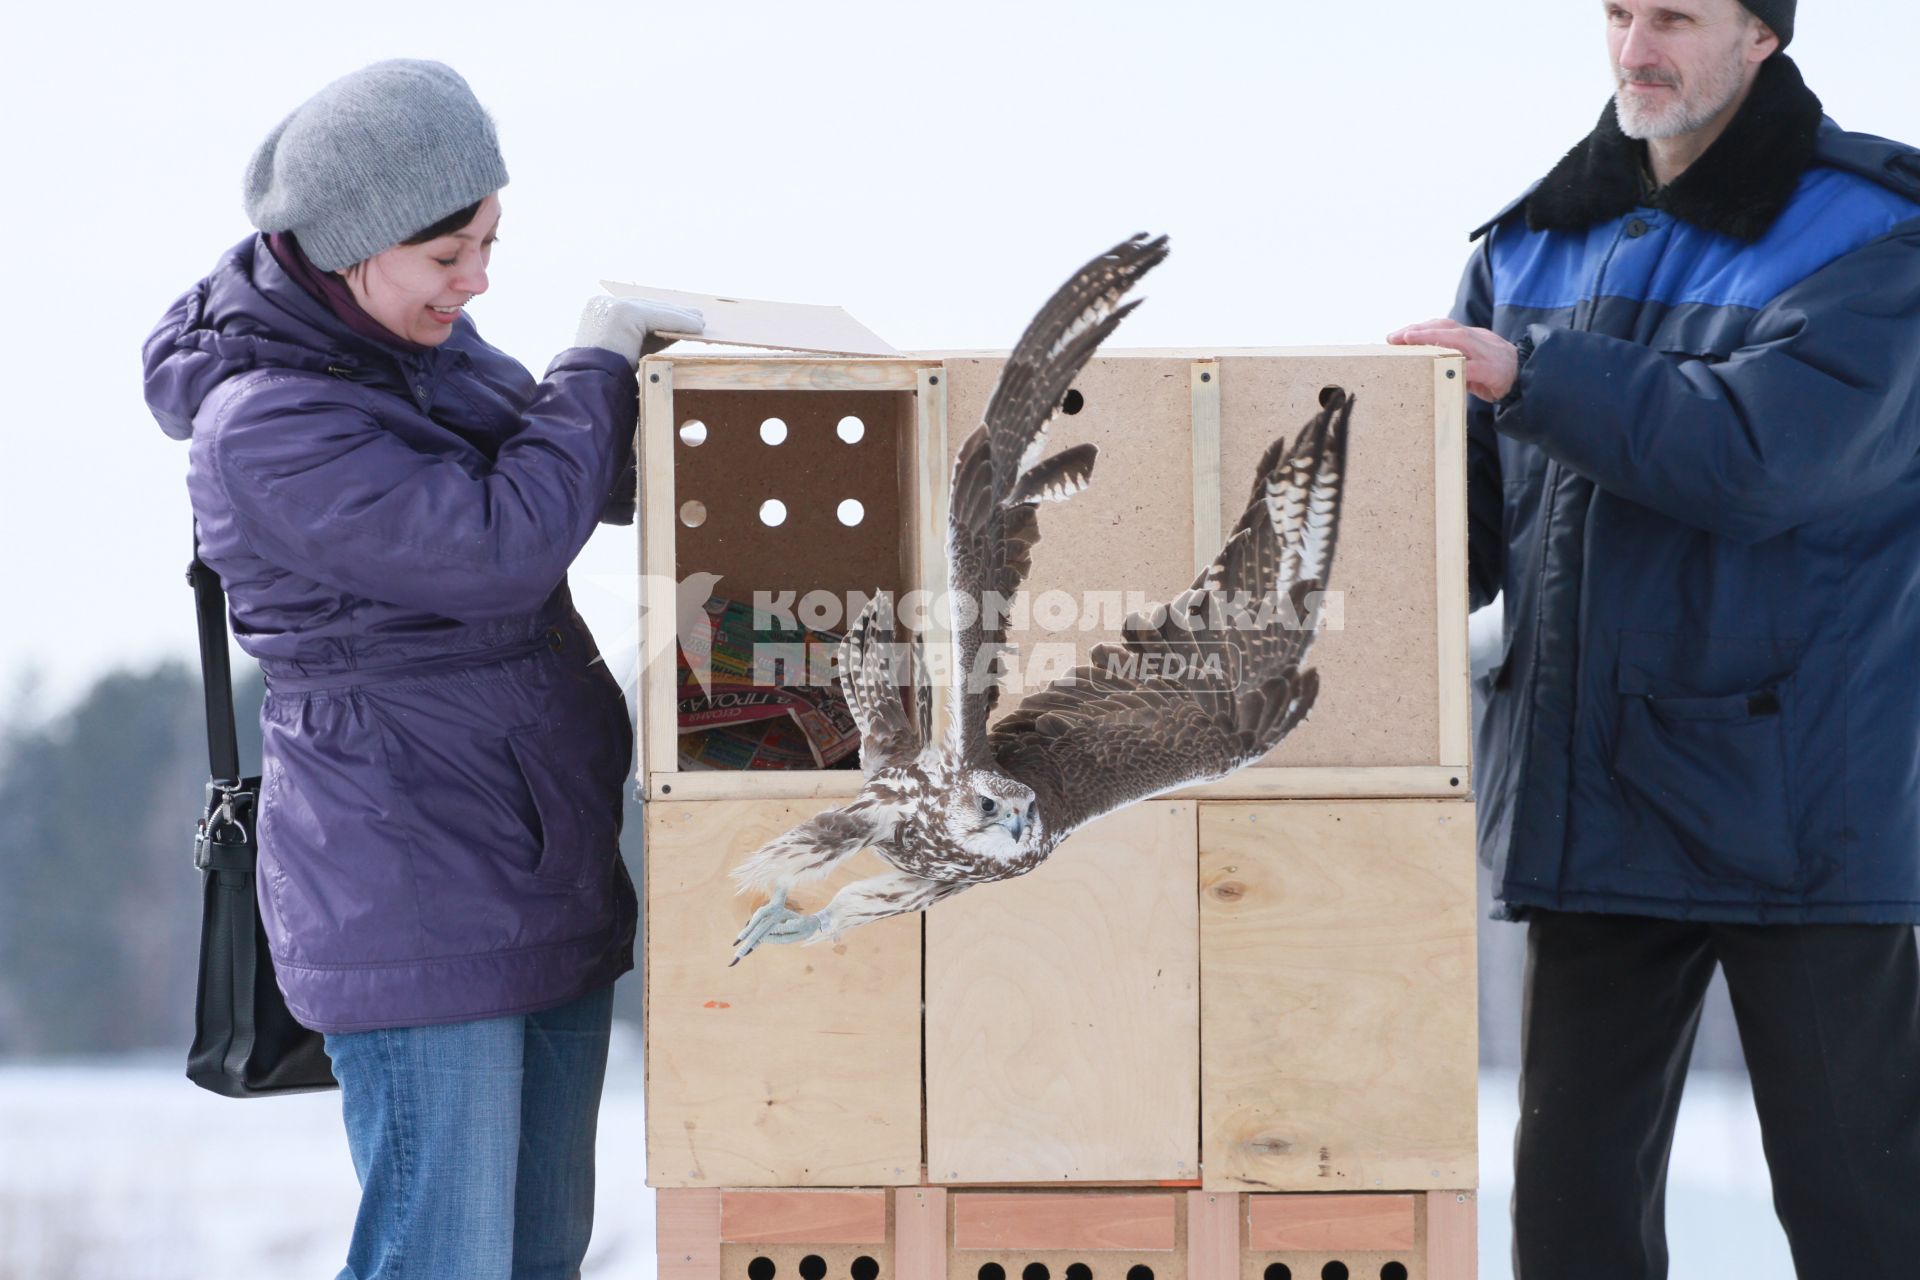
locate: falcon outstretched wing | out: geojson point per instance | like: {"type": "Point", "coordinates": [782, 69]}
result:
{"type": "Point", "coordinates": [999, 476]}
{"type": "Point", "coordinates": [1210, 682]}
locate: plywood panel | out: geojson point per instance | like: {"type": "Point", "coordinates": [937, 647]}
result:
{"type": "Point", "coordinates": [803, 1217]}
{"type": "Point", "coordinates": [1379, 699]}
{"type": "Point", "coordinates": [1337, 963]}
{"type": "Point", "coordinates": [801, 1065]}
{"type": "Point", "coordinates": [1062, 1012]}
{"type": "Point", "coordinates": [1037, 1220]}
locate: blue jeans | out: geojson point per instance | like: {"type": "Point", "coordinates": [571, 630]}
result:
{"type": "Point", "coordinates": [474, 1143]}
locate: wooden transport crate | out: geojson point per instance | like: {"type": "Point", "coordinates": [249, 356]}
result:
{"type": "Point", "coordinates": [1180, 432]}
{"type": "Point", "coordinates": [1228, 1034]}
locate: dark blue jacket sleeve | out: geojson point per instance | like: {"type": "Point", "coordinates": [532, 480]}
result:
{"type": "Point", "coordinates": [1819, 410]}
{"type": "Point", "coordinates": [1486, 543]}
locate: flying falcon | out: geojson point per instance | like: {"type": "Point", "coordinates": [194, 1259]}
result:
{"type": "Point", "coordinates": [1197, 689]}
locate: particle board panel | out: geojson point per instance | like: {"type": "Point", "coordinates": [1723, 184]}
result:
{"type": "Point", "coordinates": [1337, 995]}
{"type": "Point", "coordinates": [803, 1217]}
{"type": "Point", "coordinates": [787, 1261]}
{"type": "Point", "coordinates": [1039, 1220]}
{"type": "Point", "coordinates": [799, 1067]}
{"type": "Point", "coordinates": [1389, 693]}
{"type": "Point", "coordinates": [1063, 1015]}
{"type": "Point", "coordinates": [1130, 535]}
{"type": "Point", "coordinates": [811, 472]}
{"type": "Point", "coordinates": [1379, 701]}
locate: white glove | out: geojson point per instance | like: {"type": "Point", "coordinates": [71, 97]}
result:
{"type": "Point", "coordinates": [621, 325]}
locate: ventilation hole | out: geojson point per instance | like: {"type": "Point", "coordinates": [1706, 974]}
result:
{"type": "Point", "coordinates": [1278, 1271]}
{"type": "Point", "coordinates": [1074, 402]}
{"type": "Point", "coordinates": [850, 512]}
{"type": "Point", "coordinates": [761, 1269]}
{"type": "Point", "coordinates": [693, 433]}
{"type": "Point", "coordinates": [851, 430]}
{"type": "Point", "coordinates": [1035, 1271]}
{"type": "Point", "coordinates": [865, 1268]}
{"type": "Point", "coordinates": [773, 512]}
{"type": "Point", "coordinates": [1079, 1271]}
{"type": "Point", "coordinates": [1140, 1271]}
{"type": "Point", "coordinates": [814, 1267]}
{"type": "Point", "coordinates": [1335, 1270]}
{"type": "Point", "coordinates": [693, 513]}
{"type": "Point", "coordinates": [773, 431]}
{"type": "Point", "coordinates": [1331, 398]}
{"type": "Point", "coordinates": [1394, 1271]}
{"type": "Point", "coordinates": [992, 1271]}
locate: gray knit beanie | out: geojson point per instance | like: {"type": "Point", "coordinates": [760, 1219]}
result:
{"type": "Point", "coordinates": [373, 158]}
{"type": "Point", "coordinates": [1777, 14]}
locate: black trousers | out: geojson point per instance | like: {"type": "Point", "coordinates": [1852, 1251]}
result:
{"type": "Point", "coordinates": [1829, 1019]}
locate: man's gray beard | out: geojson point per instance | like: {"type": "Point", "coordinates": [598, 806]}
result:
{"type": "Point", "coordinates": [1679, 118]}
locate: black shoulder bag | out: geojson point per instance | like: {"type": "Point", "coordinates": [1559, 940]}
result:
{"type": "Point", "coordinates": [245, 1042]}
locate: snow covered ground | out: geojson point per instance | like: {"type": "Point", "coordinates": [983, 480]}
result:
{"type": "Point", "coordinates": [121, 1170]}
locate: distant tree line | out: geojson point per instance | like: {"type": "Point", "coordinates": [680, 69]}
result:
{"type": "Point", "coordinates": [99, 899]}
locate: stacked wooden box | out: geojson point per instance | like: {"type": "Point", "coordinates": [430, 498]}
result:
{"type": "Point", "coordinates": [1226, 1034]}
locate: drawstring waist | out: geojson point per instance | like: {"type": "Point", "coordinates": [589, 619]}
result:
{"type": "Point", "coordinates": [414, 668]}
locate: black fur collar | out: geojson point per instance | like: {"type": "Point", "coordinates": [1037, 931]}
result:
{"type": "Point", "coordinates": [1738, 188]}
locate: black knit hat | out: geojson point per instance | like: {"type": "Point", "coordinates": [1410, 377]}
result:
{"type": "Point", "coordinates": [1777, 14]}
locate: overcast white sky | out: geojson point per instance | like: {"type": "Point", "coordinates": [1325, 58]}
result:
{"type": "Point", "coordinates": [935, 168]}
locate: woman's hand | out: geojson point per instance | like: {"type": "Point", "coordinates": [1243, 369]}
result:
{"type": "Point", "coordinates": [1492, 362]}
{"type": "Point", "coordinates": [622, 325]}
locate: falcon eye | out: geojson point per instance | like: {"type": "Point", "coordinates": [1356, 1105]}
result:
{"type": "Point", "coordinates": [988, 807]}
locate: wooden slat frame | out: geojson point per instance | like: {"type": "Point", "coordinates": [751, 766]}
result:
{"type": "Point", "coordinates": [1453, 1233]}
{"type": "Point", "coordinates": [1213, 1235]}
{"type": "Point", "coordinates": [803, 1217]}
{"type": "Point", "coordinates": [1039, 1221]}
{"type": "Point", "coordinates": [1450, 545]}
{"type": "Point", "coordinates": [1209, 532]}
{"type": "Point", "coordinates": [920, 1233]}
{"type": "Point", "coordinates": [1330, 1221]}
{"type": "Point", "coordinates": [687, 1233]}
{"type": "Point", "coordinates": [659, 509]}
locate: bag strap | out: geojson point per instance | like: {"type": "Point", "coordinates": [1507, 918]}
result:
{"type": "Point", "coordinates": [210, 603]}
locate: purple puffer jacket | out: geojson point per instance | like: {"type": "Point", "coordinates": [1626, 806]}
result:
{"type": "Point", "coordinates": [444, 756]}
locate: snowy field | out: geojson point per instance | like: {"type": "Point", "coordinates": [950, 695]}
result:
{"type": "Point", "coordinates": [123, 1171]}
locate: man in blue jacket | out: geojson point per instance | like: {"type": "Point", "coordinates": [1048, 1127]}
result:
{"type": "Point", "coordinates": [1694, 349]}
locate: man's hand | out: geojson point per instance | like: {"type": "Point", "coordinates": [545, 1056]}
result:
{"type": "Point", "coordinates": [1492, 362]}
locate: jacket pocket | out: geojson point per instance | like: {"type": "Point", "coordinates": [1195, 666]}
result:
{"type": "Point", "coordinates": [1711, 773]}
{"type": "Point", "coordinates": [577, 828]}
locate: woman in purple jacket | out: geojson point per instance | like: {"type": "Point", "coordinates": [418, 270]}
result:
{"type": "Point", "coordinates": [392, 505]}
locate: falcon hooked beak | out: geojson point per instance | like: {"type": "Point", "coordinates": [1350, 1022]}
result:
{"type": "Point", "coordinates": [1015, 823]}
